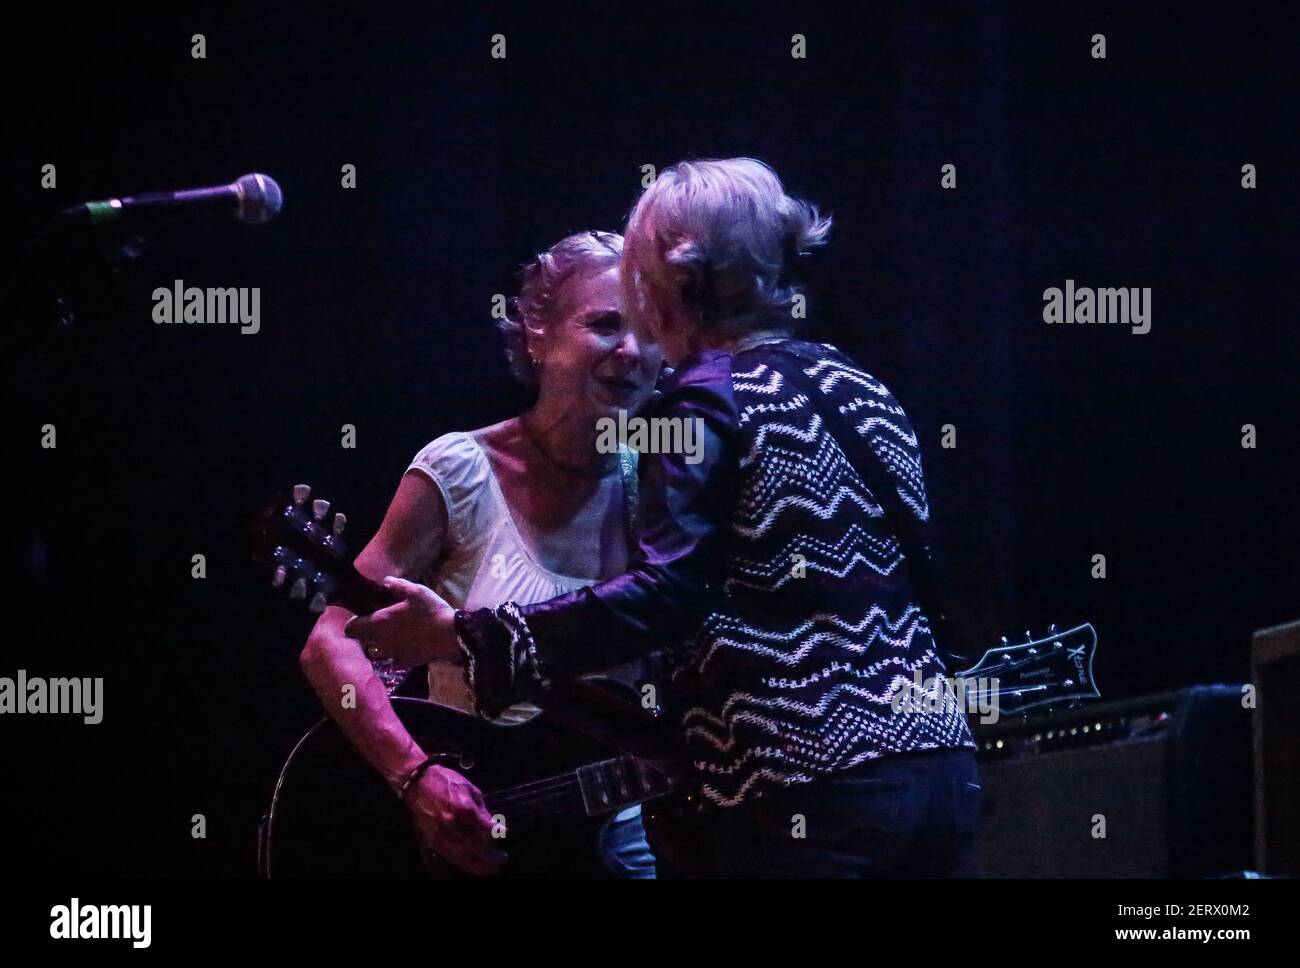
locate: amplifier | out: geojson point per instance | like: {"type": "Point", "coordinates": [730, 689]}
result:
{"type": "Point", "coordinates": [1275, 670]}
{"type": "Point", "coordinates": [1157, 786]}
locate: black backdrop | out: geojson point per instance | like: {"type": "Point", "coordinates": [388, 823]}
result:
{"type": "Point", "coordinates": [1071, 441]}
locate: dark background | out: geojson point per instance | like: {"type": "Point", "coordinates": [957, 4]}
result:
{"type": "Point", "coordinates": [1071, 441]}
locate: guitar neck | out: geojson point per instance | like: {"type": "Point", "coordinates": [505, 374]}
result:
{"type": "Point", "coordinates": [360, 594]}
{"type": "Point", "coordinates": [592, 791]}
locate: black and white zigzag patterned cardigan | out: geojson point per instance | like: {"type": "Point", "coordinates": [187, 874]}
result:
{"type": "Point", "coordinates": [769, 573]}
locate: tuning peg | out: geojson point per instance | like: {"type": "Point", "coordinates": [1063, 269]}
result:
{"type": "Point", "coordinates": [1029, 636]}
{"type": "Point", "coordinates": [1051, 629]}
{"type": "Point", "coordinates": [281, 573]}
{"type": "Point", "coordinates": [317, 603]}
{"type": "Point", "coordinates": [340, 522]}
{"type": "Point", "coordinates": [300, 494]}
{"type": "Point", "coordinates": [299, 589]}
{"type": "Point", "coordinates": [1004, 640]}
{"type": "Point", "coordinates": [319, 508]}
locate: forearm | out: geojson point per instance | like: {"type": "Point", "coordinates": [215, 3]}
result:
{"type": "Point", "coordinates": [617, 621]}
{"type": "Point", "coordinates": [355, 698]}
{"type": "Point", "coordinates": [513, 653]}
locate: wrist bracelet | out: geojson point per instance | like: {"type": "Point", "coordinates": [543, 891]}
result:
{"type": "Point", "coordinates": [415, 775]}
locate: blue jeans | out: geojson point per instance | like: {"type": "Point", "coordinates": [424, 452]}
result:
{"type": "Point", "coordinates": [623, 846]}
{"type": "Point", "coordinates": [910, 815]}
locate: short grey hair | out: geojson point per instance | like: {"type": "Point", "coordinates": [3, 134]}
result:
{"type": "Point", "coordinates": [541, 282]}
{"type": "Point", "coordinates": [723, 235]}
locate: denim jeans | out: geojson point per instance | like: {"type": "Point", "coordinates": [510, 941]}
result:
{"type": "Point", "coordinates": [910, 815]}
{"type": "Point", "coordinates": [623, 847]}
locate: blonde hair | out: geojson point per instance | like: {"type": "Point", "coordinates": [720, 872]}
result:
{"type": "Point", "coordinates": [541, 282]}
{"type": "Point", "coordinates": [721, 235]}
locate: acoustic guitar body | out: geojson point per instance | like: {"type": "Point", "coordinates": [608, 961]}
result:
{"type": "Point", "coordinates": [333, 816]}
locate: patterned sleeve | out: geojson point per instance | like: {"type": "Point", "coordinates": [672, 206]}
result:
{"type": "Point", "coordinates": [500, 654]}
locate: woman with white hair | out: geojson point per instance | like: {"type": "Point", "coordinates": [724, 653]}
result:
{"type": "Point", "coordinates": [784, 569]}
{"type": "Point", "coordinates": [526, 509]}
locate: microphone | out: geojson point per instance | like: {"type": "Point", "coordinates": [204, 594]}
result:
{"type": "Point", "coordinates": [252, 199]}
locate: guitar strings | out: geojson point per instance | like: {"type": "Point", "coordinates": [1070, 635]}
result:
{"type": "Point", "coordinates": [529, 808]}
{"type": "Point", "coordinates": [525, 789]}
{"type": "Point", "coordinates": [522, 792]}
{"type": "Point", "coordinates": [533, 799]}
{"type": "Point", "coordinates": [534, 793]}
{"type": "Point", "coordinates": [562, 778]}
{"type": "Point", "coordinates": [520, 796]}
{"type": "Point", "coordinates": [529, 798]}
{"type": "Point", "coordinates": [570, 788]}
{"type": "Point", "coordinates": [549, 781]}
{"type": "Point", "coordinates": [497, 805]}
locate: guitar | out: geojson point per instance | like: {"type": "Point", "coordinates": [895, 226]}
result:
{"type": "Point", "coordinates": [548, 788]}
{"type": "Point", "coordinates": [549, 781]}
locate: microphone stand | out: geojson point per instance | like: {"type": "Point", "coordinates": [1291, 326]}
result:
{"type": "Point", "coordinates": [55, 279]}
{"type": "Point", "coordinates": [48, 286]}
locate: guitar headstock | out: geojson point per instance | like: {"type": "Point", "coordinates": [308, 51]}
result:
{"type": "Point", "coordinates": [1054, 670]}
{"type": "Point", "coordinates": [301, 542]}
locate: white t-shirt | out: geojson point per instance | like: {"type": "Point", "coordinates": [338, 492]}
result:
{"type": "Point", "coordinates": [485, 560]}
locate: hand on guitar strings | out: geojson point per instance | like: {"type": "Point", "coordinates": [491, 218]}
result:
{"type": "Point", "coordinates": [417, 629]}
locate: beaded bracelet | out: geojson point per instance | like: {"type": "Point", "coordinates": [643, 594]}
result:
{"type": "Point", "coordinates": [415, 776]}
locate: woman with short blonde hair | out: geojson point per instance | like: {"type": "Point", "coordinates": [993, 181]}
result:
{"type": "Point", "coordinates": [525, 509]}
